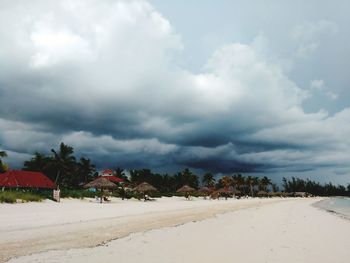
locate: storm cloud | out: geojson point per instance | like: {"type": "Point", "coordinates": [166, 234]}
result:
{"type": "Point", "coordinates": [107, 77]}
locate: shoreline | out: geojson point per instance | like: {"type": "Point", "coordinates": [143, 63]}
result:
{"type": "Point", "coordinates": [334, 210]}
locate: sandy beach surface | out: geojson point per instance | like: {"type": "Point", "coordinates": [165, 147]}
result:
{"type": "Point", "coordinates": [173, 230]}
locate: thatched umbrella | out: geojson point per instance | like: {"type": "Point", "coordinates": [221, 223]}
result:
{"type": "Point", "coordinates": [186, 190]}
{"type": "Point", "coordinates": [144, 188]}
{"type": "Point", "coordinates": [101, 183]}
{"type": "Point", "coordinates": [226, 191]}
{"type": "Point", "coordinates": [205, 191]}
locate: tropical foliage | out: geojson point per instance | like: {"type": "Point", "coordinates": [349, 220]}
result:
{"type": "Point", "coordinates": [70, 173]}
{"type": "Point", "coordinates": [315, 188]}
{"type": "Point", "coordinates": [3, 166]}
{"type": "Point", "coordinates": [62, 167]}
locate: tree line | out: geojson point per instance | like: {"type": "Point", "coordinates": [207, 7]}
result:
{"type": "Point", "coordinates": [315, 188]}
{"type": "Point", "coordinates": [69, 172]}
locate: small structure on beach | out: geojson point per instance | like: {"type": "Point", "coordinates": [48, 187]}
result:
{"type": "Point", "coordinates": [225, 192]}
{"type": "Point", "coordinates": [186, 190]}
{"type": "Point", "coordinates": [25, 179]}
{"type": "Point", "coordinates": [102, 184]}
{"type": "Point", "coordinates": [144, 188]}
{"type": "Point", "coordinates": [205, 191]}
{"type": "Point", "coordinates": [301, 194]}
{"type": "Point", "coordinates": [109, 174]}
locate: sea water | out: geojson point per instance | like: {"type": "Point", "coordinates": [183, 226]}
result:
{"type": "Point", "coordinates": [339, 205]}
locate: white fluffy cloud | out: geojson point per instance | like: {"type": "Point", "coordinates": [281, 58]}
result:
{"type": "Point", "coordinates": [104, 77]}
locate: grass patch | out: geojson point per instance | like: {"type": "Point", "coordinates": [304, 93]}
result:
{"type": "Point", "coordinates": [80, 194]}
{"type": "Point", "coordinates": [12, 197]}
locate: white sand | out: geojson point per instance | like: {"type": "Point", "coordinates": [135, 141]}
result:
{"type": "Point", "coordinates": [288, 230]}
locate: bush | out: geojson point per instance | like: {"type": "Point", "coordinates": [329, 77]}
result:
{"type": "Point", "coordinates": [7, 197]}
{"type": "Point", "coordinates": [78, 193]}
{"type": "Point", "coordinates": [11, 197]}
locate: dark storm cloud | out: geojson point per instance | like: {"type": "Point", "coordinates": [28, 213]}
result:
{"type": "Point", "coordinates": [109, 84]}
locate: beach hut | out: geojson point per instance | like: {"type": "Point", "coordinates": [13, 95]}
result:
{"type": "Point", "coordinates": [102, 184]}
{"type": "Point", "coordinates": [205, 191]}
{"type": "Point", "coordinates": [300, 194]}
{"type": "Point", "coordinates": [186, 190]}
{"type": "Point", "coordinates": [25, 179]}
{"type": "Point", "coordinates": [225, 191]}
{"type": "Point", "coordinates": [145, 188]}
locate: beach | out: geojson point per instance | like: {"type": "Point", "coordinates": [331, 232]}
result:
{"type": "Point", "coordinates": [173, 230]}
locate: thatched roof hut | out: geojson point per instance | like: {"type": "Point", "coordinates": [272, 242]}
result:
{"type": "Point", "coordinates": [186, 189]}
{"type": "Point", "coordinates": [205, 190]}
{"type": "Point", "coordinates": [144, 188]}
{"type": "Point", "coordinates": [100, 183]}
{"type": "Point", "coordinates": [224, 190]}
{"type": "Point", "coordinates": [300, 194]}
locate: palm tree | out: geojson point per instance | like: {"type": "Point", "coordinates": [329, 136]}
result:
{"type": "Point", "coordinates": [85, 170]}
{"type": "Point", "coordinates": [63, 162]}
{"type": "Point", "coordinates": [208, 180]}
{"type": "Point", "coordinates": [265, 182]}
{"type": "Point", "coordinates": [3, 166]}
{"type": "Point", "coordinates": [251, 182]}
{"type": "Point", "coordinates": [226, 181]}
{"type": "Point", "coordinates": [38, 163]}
{"type": "Point", "coordinates": [240, 181]}
{"type": "Point", "coordinates": [119, 172]}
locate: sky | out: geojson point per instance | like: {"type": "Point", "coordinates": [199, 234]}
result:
{"type": "Point", "coordinates": [256, 87]}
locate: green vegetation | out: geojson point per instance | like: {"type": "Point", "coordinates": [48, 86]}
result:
{"type": "Point", "coordinates": [77, 193]}
{"type": "Point", "coordinates": [62, 167]}
{"type": "Point", "coordinates": [3, 166]}
{"type": "Point", "coordinates": [70, 174]}
{"type": "Point", "coordinates": [13, 196]}
{"type": "Point", "coordinates": [315, 188]}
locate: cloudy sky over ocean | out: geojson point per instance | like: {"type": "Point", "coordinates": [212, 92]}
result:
{"type": "Point", "coordinates": [258, 87]}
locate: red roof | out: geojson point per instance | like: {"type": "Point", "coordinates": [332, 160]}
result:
{"type": "Point", "coordinates": [107, 171]}
{"type": "Point", "coordinates": [25, 179]}
{"type": "Point", "coordinates": [113, 179]}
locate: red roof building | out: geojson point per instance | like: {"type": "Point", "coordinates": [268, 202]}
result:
{"type": "Point", "coordinates": [107, 172]}
{"type": "Point", "coordinates": [113, 179]}
{"type": "Point", "coordinates": [25, 179]}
